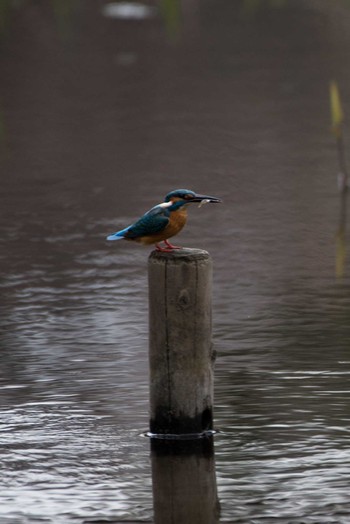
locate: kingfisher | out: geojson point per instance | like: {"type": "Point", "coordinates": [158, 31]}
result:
{"type": "Point", "coordinates": [164, 220]}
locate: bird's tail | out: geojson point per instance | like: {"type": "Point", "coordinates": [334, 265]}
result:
{"type": "Point", "coordinates": [115, 236]}
{"type": "Point", "coordinates": [119, 235]}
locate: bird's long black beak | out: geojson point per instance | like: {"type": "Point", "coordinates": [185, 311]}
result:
{"type": "Point", "coordinates": [200, 198]}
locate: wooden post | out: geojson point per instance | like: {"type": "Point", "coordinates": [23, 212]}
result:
{"type": "Point", "coordinates": [181, 356]}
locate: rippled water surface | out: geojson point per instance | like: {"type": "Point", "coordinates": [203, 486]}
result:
{"type": "Point", "coordinates": [103, 110]}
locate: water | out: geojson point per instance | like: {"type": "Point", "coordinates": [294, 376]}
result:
{"type": "Point", "coordinates": [100, 117]}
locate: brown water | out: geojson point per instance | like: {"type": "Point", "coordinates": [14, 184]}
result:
{"type": "Point", "coordinates": [100, 118]}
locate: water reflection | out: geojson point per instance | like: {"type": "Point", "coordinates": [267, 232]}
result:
{"type": "Point", "coordinates": [184, 482]}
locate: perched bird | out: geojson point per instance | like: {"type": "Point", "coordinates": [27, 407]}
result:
{"type": "Point", "coordinates": [164, 220]}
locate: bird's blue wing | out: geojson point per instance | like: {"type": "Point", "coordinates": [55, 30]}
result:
{"type": "Point", "coordinates": [152, 222]}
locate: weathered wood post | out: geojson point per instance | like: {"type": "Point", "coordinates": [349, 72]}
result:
{"type": "Point", "coordinates": [181, 355]}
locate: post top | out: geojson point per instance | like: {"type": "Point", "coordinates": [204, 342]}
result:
{"type": "Point", "coordinates": [185, 253]}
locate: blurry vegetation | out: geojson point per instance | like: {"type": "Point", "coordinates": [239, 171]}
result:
{"type": "Point", "coordinates": [172, 16]}
{"type": "Point", "coordinates": [63, 11]}
{"type": "Point", "coordinates": [340, 248]}
{"type": "Point", "coordinates": [6, 7]}
{"type": "Point", "coordinates": [252, 6]}
{"type": "Point", "coordinates": [337, 115]}
{"type": "Point", "coordinates": [337, 118]}
{"type": "Point", "coordinates": [2, 132]}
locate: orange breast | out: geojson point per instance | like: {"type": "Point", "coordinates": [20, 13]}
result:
{"type": "Point", "coordinates": [177, 220]}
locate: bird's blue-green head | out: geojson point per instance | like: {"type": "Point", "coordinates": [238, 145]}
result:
{"type": "Point", "coordinates": [180, 197]}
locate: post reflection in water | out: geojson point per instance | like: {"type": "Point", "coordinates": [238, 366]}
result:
{"type": "Point", "coordinates": [184, 482]}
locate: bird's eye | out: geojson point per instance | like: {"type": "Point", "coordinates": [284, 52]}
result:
{"type": "Point", "coordinates": [188, 196]}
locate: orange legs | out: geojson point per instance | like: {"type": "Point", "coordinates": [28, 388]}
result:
{"type": "Point", "coordinates": [169, 247]}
